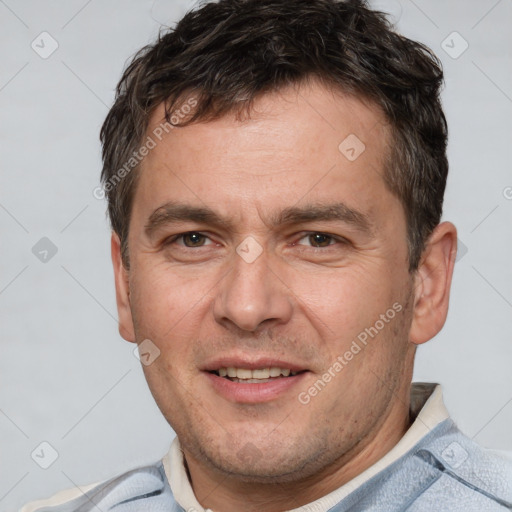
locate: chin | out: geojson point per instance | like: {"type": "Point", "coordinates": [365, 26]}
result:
{"type": "Point", "coordinates": [250, 464]}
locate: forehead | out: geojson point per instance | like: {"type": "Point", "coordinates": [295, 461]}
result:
{"type": "Point", "coordinates": [303, 142]}
{"type": "Point", "coordinates": [307, 108]}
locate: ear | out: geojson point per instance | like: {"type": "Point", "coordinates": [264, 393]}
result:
{"type": "Point", "coordinates": [124, 311]}
{"type": "Point", "coordinates": [432, 283]}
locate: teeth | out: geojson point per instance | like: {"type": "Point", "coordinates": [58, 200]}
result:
{"type": "Point", "coordinates": [258, 375]}
{"type": "Point", "coordinates": [261, 374]}
{"type": "Point", "coordinates": [242, 373]}
{"type": "Point", "coordinates": [275, 372]}
{"type": "Point", "coordinates": [252, 381]}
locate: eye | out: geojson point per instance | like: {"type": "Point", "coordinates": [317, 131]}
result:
{"type": "Point", "coordinates": [189, 239]}
{"type": "Point", "coordinates": [319, 240]}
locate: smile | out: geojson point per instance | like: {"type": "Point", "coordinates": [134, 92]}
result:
{"type": "Point", "coordinates": [255, 376]}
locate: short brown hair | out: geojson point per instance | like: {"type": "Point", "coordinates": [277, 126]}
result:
{"type": "Point", "coordinates": [230, 51]}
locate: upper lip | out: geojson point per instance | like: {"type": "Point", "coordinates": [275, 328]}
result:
{"type": "Point", "coordinates": [253, 363]}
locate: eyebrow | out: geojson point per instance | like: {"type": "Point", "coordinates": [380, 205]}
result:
{"type": "Point", "coordinates": [178, 212]}
{"type": "Point", "coordinates": [324, 212]}
{"type": "Point", "coordinates": [174, 211]}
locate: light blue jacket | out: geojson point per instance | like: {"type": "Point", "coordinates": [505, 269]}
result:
{"type": "Point", "coordinates": [444, 472]}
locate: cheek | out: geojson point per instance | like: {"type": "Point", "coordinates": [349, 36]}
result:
{"type": "Point", "coordinates": [165, 298]}
{"type": "Point", "coordinates": [166, 306]}
{"type": "Point", "coordinates": [340, 303]}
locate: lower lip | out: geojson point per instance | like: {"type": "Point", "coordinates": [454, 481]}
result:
{"type": "Point", "coordinates": [253, 393]}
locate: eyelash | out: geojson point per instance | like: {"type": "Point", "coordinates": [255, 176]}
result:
{"type": "Point", "coordinates": [332, 238]}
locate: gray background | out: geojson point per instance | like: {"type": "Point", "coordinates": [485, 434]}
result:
{"type": "Point", "coordinates": [67, 377]}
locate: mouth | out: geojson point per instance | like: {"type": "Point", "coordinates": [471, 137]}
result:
{"type": "Point", "coordinates": [255, 376]}
{"type": "Point", "coordinates": [251, 382]}
{"type": "Point", "coordinates": [251, 379]}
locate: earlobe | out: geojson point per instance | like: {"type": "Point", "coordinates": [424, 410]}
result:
{"type": "Point", "coordinates": [126, 329]}
{"type": "Point", "coordinates": [432, 283]}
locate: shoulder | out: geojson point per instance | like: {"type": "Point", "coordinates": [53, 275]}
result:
{"type": "Point", "coordinates": [148, 486]}
{"type": "Point", "coordinates": [444, 472]}
{"type": "Point", "coordinates": [466, 476]}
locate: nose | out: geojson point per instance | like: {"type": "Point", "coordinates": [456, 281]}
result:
{"type": "Point", "coordinates": [253, 295]}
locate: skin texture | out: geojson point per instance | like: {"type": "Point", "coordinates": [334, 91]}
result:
{"type": "Point", "coordinates": [302, 303]}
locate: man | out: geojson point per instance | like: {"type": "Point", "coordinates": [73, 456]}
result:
{"type": "Point", "coordinates": [275, 172]}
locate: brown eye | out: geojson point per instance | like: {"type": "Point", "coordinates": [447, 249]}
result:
{"type": "Point", "coordinates": [320, 239]}
{"type": "Point", "coordinates": [193, 239]}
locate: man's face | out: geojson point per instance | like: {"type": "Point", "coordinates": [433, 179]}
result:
{"type": "Point", "coordinates": [295, 247]}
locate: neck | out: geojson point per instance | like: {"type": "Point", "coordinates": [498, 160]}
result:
{"type": "Point", "coordinates": [224, 493]}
